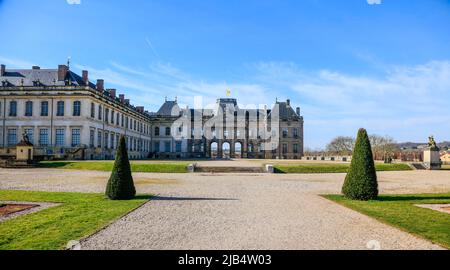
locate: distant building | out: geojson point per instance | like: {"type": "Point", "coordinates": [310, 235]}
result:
{"type": "Point", "coordinates": [68, 117]}
{"type": "Point", "coordinates": [445, 158]}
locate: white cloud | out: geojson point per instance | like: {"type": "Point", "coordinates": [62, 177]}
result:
{"type": "Point", "coordinates": [15, 63]}
{"type": "Point", "coordinates": [73, 2]}
{"type": "Point", "coordinates": [374, 2]}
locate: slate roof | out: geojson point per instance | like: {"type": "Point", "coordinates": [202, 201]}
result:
{"type": "Point", "coordinates": [42, 77]}
{"type": "Point", "coordinates": [169, 108]}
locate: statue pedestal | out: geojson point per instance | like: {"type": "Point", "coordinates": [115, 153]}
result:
{"type": "Point", "coordinates": [432, 159]}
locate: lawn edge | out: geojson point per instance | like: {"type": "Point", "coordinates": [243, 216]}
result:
{"type": "Point", "coordinates": [383, 221]}
{"type": "Point", "coordinates": [85, 238]}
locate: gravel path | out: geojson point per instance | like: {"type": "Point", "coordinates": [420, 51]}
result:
{"type": "Point", "coordinates": [238, 211]}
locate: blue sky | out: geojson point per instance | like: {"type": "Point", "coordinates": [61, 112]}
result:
{"type": "Point", "coordinates": [347, 64]}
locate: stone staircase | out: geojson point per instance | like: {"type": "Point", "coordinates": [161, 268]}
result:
{"type": "Point", "coordinates": [418, 166]}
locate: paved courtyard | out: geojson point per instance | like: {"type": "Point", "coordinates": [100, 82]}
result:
{"type": "Point", "coordinates": [238, 211]}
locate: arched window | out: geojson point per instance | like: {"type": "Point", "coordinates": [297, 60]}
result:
{"type": "Point", "coordinates": [77, 108]}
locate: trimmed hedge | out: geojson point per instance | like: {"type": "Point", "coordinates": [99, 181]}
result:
{"type": "Point", "coordinates": [361, 180]}
{"type": "Point", "coordinates": [120, 185]}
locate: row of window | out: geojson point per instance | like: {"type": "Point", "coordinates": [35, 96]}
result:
{"type": "Point", "coordinates": [60, 108]}
{"type": "Point", "coordinates": [167, 147]}
{"type": "Point", "coordinates": [43, 137]}
{"type": "Point", "coordinates": [115, 118]}
{"type": "Point", "coordinates": [110, 140]}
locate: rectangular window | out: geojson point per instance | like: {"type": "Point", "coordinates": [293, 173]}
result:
{"type": "Point", "coordinates": [285, 148]}
{"type": "Point", "coordinates": [106, 115]}
{"type": "Point", "coordinates": [99, 112]}
{"type": "Point", "coordinates": [59, 137]}
{"type": "Point", "coordinates": [295, 132]}
{"type": "Point", "coordinates": [76, 108]}
{"type": "Point", "coordinates": [285, 132]}
{"type": "Point", "coordinates": [43, 137]}
{"type": "Point", "coordinates": [112, 117]}
{"type": "Point", "coordinates": [157, 149]}
{"type": "Point", "coordinates": [106, 140]}
{"type": "Point", "coordinates": [44, 108]}
{"type": "Point", "coordinates": [12, 137]}
{"type": "Point", "coordinates": [167, 131]}
{"type": "Point", "coordinates": [178, 147]}
{"type": "Point", "coordinates": [295, 148]}
{"type": "Point", "coordinates": [117, 140]}
{"type": "Point", "coordinates": [121, 120]}
{"type": "Point", "coordinates": [60, 108]}
{"type": "Point", "coordinates": [99, 139]}
{"type": "Point", "coordinates": [91, 138]}
{"type": "Point", "coordinates": [167, 147]}
{"type": "Point", "coordinates": [92, 110]}
{"type": "Point", "coordinates": [112, 141]}
{"type": "Point", "coordinates": [13, 108]}
{"type": "Point", "coordinates": [76, 138]}
{"type": "Point", "coordinates": [117, 119]}
{"type": "Point", "coordinates": [30, 134]}
{"type": "Point", "coordinates": [29, 108]}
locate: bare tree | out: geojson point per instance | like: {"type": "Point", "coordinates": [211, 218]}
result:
{"type": "Point", "coordinates": [341, 145]}
{"type": "Point", "coordinates": [383, 147]}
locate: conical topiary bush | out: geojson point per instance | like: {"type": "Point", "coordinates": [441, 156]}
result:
{"type": "Point", "coordinates": [361, 180]}
{"type": "Point", "coordinates": [120, 185]}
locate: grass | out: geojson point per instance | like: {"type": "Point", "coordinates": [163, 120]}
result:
{"type": "Point", "coordinates": [136, 166]}
{"type": "Point", "coordinates": [334, 168]}
{"type": "Point", "coordinates": [77, 216]}
{"type": "Point", "coordinates": [400, 211]}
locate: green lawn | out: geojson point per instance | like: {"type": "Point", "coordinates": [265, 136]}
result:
{"type": "Point", "coordinates": [334, 168]}
{"type": "Point", "coordinates": [399, 211]}
{"type": "Point", "coordinates": [79, 215]}
{"type": "Point", "coordinates": [136, 166]}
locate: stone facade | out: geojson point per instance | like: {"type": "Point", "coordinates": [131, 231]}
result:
{"type": "Point", "coordinates": [67, 117]}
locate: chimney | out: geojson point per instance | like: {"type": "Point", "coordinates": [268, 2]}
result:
{"type": "Point", "coordinates": [62, 72]}
{"type": "Point", "coordinates": [122, 98]}
{"type": "Point", "coordinates": [298, 111]}
{"type": "Point", "coordinates": [127, 101]}
{"type": "Point", "coordinates": [85, 77]}
{"type": "Point", "coordinates": [35, 67]}
{"type": "Point", "coordinates": [140, 109]}
{"type": "Point", "coordinates": [112, 93]}
{"type": "Point", "coordinates": [100, 85]}
{"type": "Point", "coordinates": [288, 102]}
{"type": "Point", "coordinates": [2, 70]}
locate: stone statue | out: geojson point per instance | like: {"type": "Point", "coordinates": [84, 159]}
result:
{"type": "Point", "coordinates": [432, 142]}
{"type": "Point", "coordinates": [25, 138]}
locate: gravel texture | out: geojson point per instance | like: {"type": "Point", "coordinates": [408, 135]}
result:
{"type": "Point", "coordinates": [239, 211]}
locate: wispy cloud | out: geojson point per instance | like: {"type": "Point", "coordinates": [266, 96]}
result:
{"type": "Point", "coordinates": [15, 63]}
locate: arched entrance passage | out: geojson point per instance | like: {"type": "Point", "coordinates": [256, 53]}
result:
{"type": "Point", "coordinates": [238, 150]}
{"type": "Point", "coordinates": [226, 150]}
{"type": "Point", "coordinates": [214, 150]}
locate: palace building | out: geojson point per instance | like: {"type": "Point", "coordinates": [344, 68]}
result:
{"type": "Point", "coordinates": [66, 116]}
